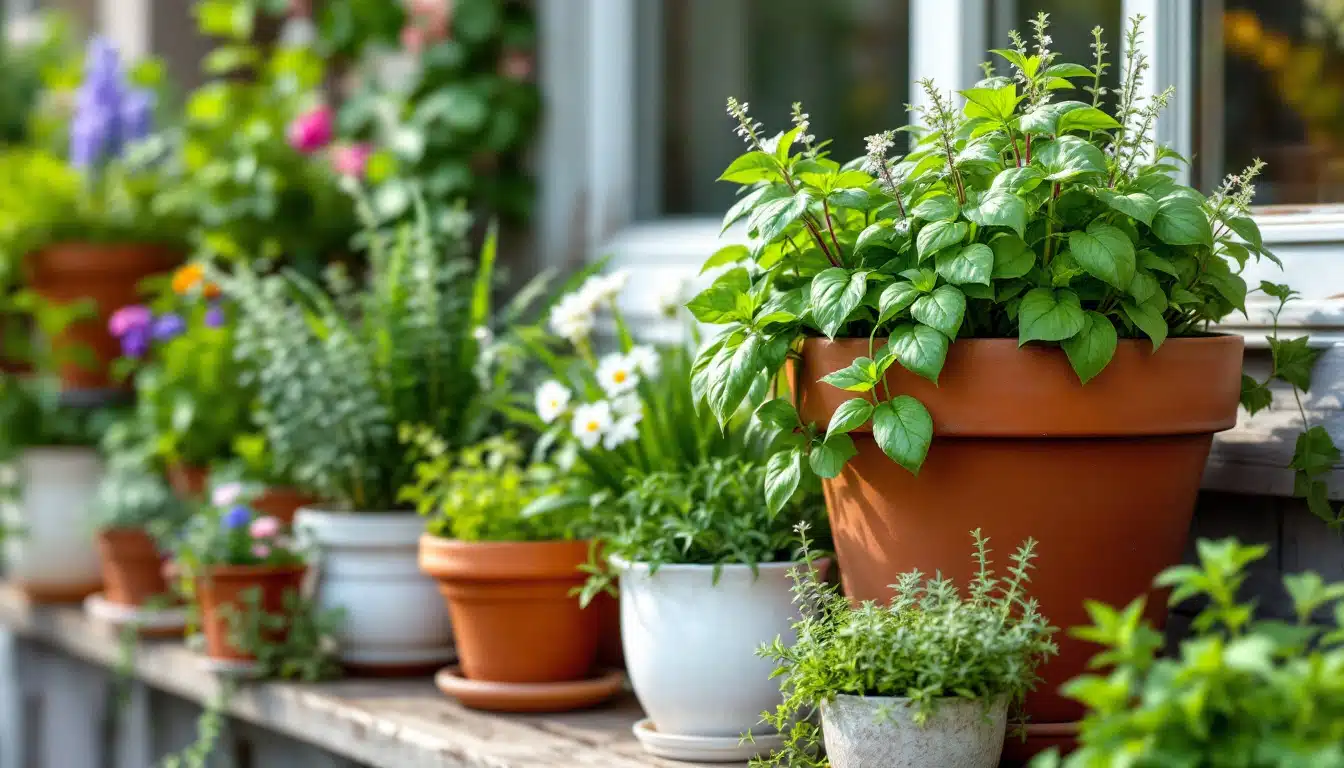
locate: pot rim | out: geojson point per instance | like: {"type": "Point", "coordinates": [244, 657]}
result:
{"type": "Point", "coordinates": [241, 571]}
{"type": "Point", "coordinates": [1002, 698]}
{"type": "Point", "coordinates": [455, 560]}
{"type": "Point", "coordinates": [643, 566]}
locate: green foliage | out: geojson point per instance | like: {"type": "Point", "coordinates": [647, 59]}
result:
{"type": "Point", "coordinates": [1051, 222]}
{"type": "Point", "coordinates": [297, 644]}
{"type": "Point", "coordinates": [229, 532]}
{"type": "Point", "coordinates": [481, 493]}
{"type": "Point", "coordinates": [1238, 692]}
{"type": "Point", "coordinates": [133, 493]}
{"type": "Point", "coordinates": [209, 728]}
{"type": "Point", "coordinates": [930, 643]}
{"type": "Point", "coordinates": [34, 413]}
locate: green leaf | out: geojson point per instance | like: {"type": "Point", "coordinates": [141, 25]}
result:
{"type": "Point", "coordinates": [1149, 260]}
{"type": "Point", "coordinates": [943, 310]}
{"type": "Point", "coordinates": [896, 298]}
{"type": "Point", "coordinates": [1293, 360]}
{"type": "Point", "coordinates": [836, 293]}
{"type": "Point", "coordinates": [750, 200]}
{"type": "Point", "coordinates": [919, 349]}
{"type": "Point", "coordinates": [1135, 205]}
{"type": "Point", "coordinates": [1019, 181]}
{"type": "Point", "coordinates": [1147, 319]}
{"type": "Point", "coordinates": [1315, 452]}
{"type": "Point", "coordinates": [1085, 119]}
{"type": "Point", "coordinates": [972, 264]}
{"type": "Point", "coordinates": [923, 278]}
{"type": "Point", "coordinates": [1143, 287]}
{"type": "Point", "coordinates": [1000, 209]}
{"type": "Point", "coordinates": [729, 254]}
{"type": "Point", "coordinates": [903, 430]}
{"type": "Point", "coordinates": [1012, 257]}
{"type": "Point", "coordinates": [1049, 315]}
{"type": "Point", "coordinates": [937, 235]}
{"type": "Point", "coordinates": [1104, 252]}
{"type": "Point", "coordinates": [936, 208]}
{"type": "Point", "coordinates": [785, 143]}
{"type": "Point", "coordinates": [718, 303]}
{"type": "Point", "coordinates": [739, 366]}
{"type": "Point", "coordinates": [1068, 70]}
{"type": "Point", "coordinates": [1069, 156]}
{"type": "Point", "coordinates": [1045, 118]}
{"type": "Point", "coordinates": [994, 103]}
{"type": "Point", "coordinates": [778, 413]}
{"type": "Point", "coordinates": [1247, 230]}
{"type": "Point", "coordinates": [859, 376]}
{"type": "Point", "coordinates": [770, 220]}
{"type": "Point", "coordinates": [1255, 397]}
{"type": "Point", "coordinates": [1181, 221]}
{"type": "Point", "coordinates": [828, 457]}
{"type": "Point", "coordinates": [751, 168]}
{"type": "Point", "coordinates": [851, 415]}
{"type": "Point", "coordinates": [783, 473]}
{"type": "Point", "coordinates": [881, 234]}
{"type": "Point", "coordinates": [1092, 348]}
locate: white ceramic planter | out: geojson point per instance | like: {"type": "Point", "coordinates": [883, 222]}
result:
{"type": "Point", "coordinates": [962, 733]}
{"type": "Point", "coordinates": [50, 549]}
{"type": "Point", "coordinates": [394, 616]}
{"type": "Point", "coordinates": [690, 645]}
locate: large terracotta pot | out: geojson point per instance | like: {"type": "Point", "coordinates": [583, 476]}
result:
{"type": "Point", "coordinates": [1103, 476]}
{"type": "Point", "coordinates": [223, 585]}
{"type": "Point", "coordinates": [109, 274]}
{"type": "Point", "coordinates": [188, 481]}
{"type": "Point", "coordinates": [132, 566]}
{"type": "Point", "coordinates": [514, 618]}
{"type": "Point", "coordinates": [281, 502]}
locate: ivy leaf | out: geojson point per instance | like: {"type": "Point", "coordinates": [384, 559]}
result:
{"type": "Point", "coordinates": [859, 376]}
{"type": "Point", "coordinates": [1104, 252]}
{"type": "Point", "coordinates": [778, 413]}
{"type": "Point", "coordinates": [751, 168]}
{"type": "Point", "coordinates": [836, 293]}
{"type": "Point", "coordinates": [729, 254]}
{"type": "Point", "coordinates": [770, 220]}
{"type": "Point", "coordinates": [1085, 119]}
{"type": "Point", "coordinates": [851, 415]}
{"type": "Point", "coordinates": [1255, 397]}
{"type": "Point", "coordinates": [972, 264]}
{"type": "Point", "coordinates": [1018, 181]}
{"type": "Point", "coordinates": [1147, 318]}
{"type": "Point", "coordinates": [829, 456]}
{"type": "Point", "coordinates": [937, 235]}
{"type": "Point", "coordinates": [1181, 221]}
{"type": "Point", "coordinates": [903, 430]}
{"type": "Point", "coordinates": [1000, 209]}
{"type": "Point", "coordinates": [1091, 349]}
{"type": "Point", "coordinates": [1135, 205]}
{"type": "Point", "coordinates": [942, 310]}
{"type": "Point", "coordinates": [1070, 156]}
{"type": "Point", "coordinates": [1012, 257]}
{"type": "Point", "coordinates": [936, 208]}
{"type": "Point", "coordinates": [1293, 360]}
{"type": "Point", "coordinates": [1049, 315]}
{"type": "Point", "coordinates": [1315, 452]}
{"type": "Point", "coordinates": [919, 349]}
{"type": "Point", "coordinates": [783, 473]}
{"type": "Point", "coordinates": [896, 298]}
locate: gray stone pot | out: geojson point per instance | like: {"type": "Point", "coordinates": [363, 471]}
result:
{"type": "Point", "coordinates": [961, 733]}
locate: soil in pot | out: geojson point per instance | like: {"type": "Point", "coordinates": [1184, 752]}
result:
{"type": "Point", "coordinates": [188, 481]}
{"type": "Point", "coordinates": [1104, 476]}
{"type": "Point", "coordinates": [281, 502]}
{"type": "Point", "coordinates": [109, 274]}
{"type": "Point", "coordinates": [961, 733]}
{"type": "Point", "coordinates": [132, 566]}
{"type": "Point", "coordinates": [514, 618]}
{"type": "Point", "coordinates": [221, 587]}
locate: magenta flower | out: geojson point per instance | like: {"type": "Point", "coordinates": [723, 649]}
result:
{"type": "Point", "coordinates": [351, 159]}
{"type": "Point", "coordinates": [261, 551]}
{"type": "Point", "coordinates": [128, 319]}
{"type": "Point", "coordinates": [312, 130]}
{"type": "Point", "coordinates": [264, 527]}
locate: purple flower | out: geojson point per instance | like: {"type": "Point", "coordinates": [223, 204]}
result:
{"type": "Point", "coordinates": [237, 517]}
{"type": "Point", "coordinates": [129, 318]}
{"type": "Point", "coordinates": [168, 326]}
{"type": "Point", "coordinates": [108, 112]}
{"type": "Point", "coordinates": [214, 316]}
{"type": "Point", "coordinates": [135, 342]}
{"type": "Point", "coordinates": [137, 115]}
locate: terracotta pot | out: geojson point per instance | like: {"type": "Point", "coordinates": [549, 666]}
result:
{"type": "Point", "coordinates": [224, 585]}
{"type": "Point", "coordinates": [132, 566]}
{"type": "Point", "coordinates": [610, 652]}
{"type": "Point", "coordinates": [1104, 476]}
{"type": "Point", "coordinates": [109, 274]}
{"type": "Point", "coordinates": [188, 481]}
{"type": "Point", "coordinates": [282, 502]}
{"type": "Point", "coordinates": [513, 616]}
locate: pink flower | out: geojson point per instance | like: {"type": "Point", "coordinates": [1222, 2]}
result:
{"type": "Point", "coordinates": [128, 319]}
{"type": "Point", "coordinates": [351, 159]}
{"type": "Point", "coordinates": [264, 528]}
{"type": "Point", "coordinates": [311, 130]}
{"type": "Point", "coordinates": [226, 495]}
{"type": "Point", "coordinates": [261, 551]}
{"type": "Point", "coordinates": [433, 15]}
{"type": "Point", "coordinates": [516, 65]}
{"type": "Point", "coordinates": [412, 39]}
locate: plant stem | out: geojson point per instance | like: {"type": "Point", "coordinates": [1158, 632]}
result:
{"type": "Point", "coordinates": [830, 226]}
{"type": "Point", "coordinates": [1050, 221]}
{"type": "Point", "coordinates": [1028, 142]}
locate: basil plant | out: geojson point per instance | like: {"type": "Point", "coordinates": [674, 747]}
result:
{"type": "Point", "coordinates": [1023, 215]}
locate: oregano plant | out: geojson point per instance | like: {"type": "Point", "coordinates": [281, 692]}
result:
{"type": "Point", "coordinates": [1023, 214]}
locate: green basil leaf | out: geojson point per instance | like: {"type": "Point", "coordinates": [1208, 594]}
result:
{"type": "Point", "coordinates": [1068, 70]}
{"type": "Point", "coordinates": [896, 298]}
{"type": "Point", "coordinates": [943, 310]}
{"type": "Point", "coordinates": [1135, 205]}
{"type": "Point", "coordinates": [1181, 221]}
{"type": "Point", "coordinates": [778, 413]}
{"type": "Point", "coordinates": [783, 473]}
{"type": "Point", "coordinates": [1069, 156]}
{"type": "Point", "coordinates": [1012, 257]}
{"type": "Point", "coordinates": [1045, 118]}
{"type": "Point", "coordinates": [1146, 318]}
{"type": "Point", "coordinates": [770, 220]}
{"type": "Point", "coordinates": [1085, 119]}
{"type": "Point", "coordinates": [936, 208]}
{"type": "Point", "coordinates": [728, 254]}
{"type": "Point", "coordinates": [836, 293]}
{"type": "Point", "coordinates": [1247, 230]}
{"type": "Point", "coordinates": [881, 234]}
{"type": "Point", "coordinates": [1104, 252]}
{"type": "Point", "coordinates": [859, 376]}
{"type": "Point", "coordinates": [1091, 349]}
{"type": "Point", "coordinates": [751, 168]}
{"type": "Point", "coordinates": [1149, 260]}
{"type": "Point", "coordinates": [1049, 315]}
{"type": "Point", "coordinates": [919, 349]}
{"type": "Point", "coordinates": [1000, 209]}
{"type": "Point", "coordinates": [937, 235]}
{"type": "Point", "coordinates": [1144, 286]}
{"type": "Point", "coordinates": [972, 264]}
{"type": "Point", "coordinates": [1019, 181]}
{"type": "Point", "coordinates": [828, 457]}
{"type": "Point", "coordinates": [903, 430]}
{"type": "Point", "coordinates": [994, 103]}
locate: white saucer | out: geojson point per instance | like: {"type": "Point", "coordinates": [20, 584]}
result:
{"type": "Point", "coordinates": [703, 749]}
{"type": "Point", "coordinates": [151, 619]}
{"type": "Point", "coordinates": [228, 668]}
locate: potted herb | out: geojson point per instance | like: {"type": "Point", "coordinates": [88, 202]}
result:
{"type": "Point", "coordinates": [509, 579]}
{"type": "Point", "coordinates": [1007, 327]}
{"type": "Point", "coordinates": [1238, 690]}
{"type": "Point", "coordinates": [927, 679]}
{"type": "Point", "coordinates": [336, 376]}
{"type": "Point", "coordinates": [698, 549]}
{"type": "Point", "coordinates": [276, 495]}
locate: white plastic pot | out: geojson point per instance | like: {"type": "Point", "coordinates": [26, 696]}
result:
{"type": "Point", "coordinates": [50, 547]}
{"type": "Point", "coordinates": [367, 566]}
{"type": "Point", "coordinates": [690, 644]}
{"type": "Point", "coordinates": [961, 733]}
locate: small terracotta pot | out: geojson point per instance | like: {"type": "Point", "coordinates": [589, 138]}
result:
{"type": "Point", "coordinates": [610, 651]}
{"type": "Point", "coordinates": [513, 616]}
{"type": "Point", "coordinates": [224, 585]}
{"type": "Point", "coordinates": [132, 566]}
{"type": "Point", "coordinates": [188, 481]}
{"type": "Point", "coordinates": [109, 274]}
{"type": "Point", "coordinates": [1103, 476]}
{"type": "Point", "coordinates": [282, 502]}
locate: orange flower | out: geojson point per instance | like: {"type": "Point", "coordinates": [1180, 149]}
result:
{"type": "Point", "coordinates": [186, 279]}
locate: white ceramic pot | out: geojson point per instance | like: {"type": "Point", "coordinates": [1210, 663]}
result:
{"type": "Point", "coordinates": [690, 644]}
{"type": "Point", "coordinates": [50, 547]}
{"type": "Point", "coordinates": [367, 566]}
{"type": "Point", "coordinates": [961, 733]}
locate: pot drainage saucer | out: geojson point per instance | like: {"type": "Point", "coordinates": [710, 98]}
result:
{"type": "Point", "coordinates": [529, 697]}
{"type": "Point", "coordinates": [160, 622]}
{"type": "Point", "coordinates": [703, 749]}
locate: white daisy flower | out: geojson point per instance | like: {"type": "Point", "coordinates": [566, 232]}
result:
{"type": "Point", "coordinates": [617, 375]}
{"type": "Point", "coordinates": [552, 400]}
{"type": "Point", "coordinates": [591, 422]}
{"type": "Point", "coordinates": [572, 317]}
{"type": "Point", "coordinates": [604, 288]}
{"type": "Point", "coordinates": [644, 359]}
{"type": "Point", "coordinates": [672, 297]}
{"type": "Point", "coordinates": [628, 405]}
{"type": "Point", "coordinates": [622, 431]}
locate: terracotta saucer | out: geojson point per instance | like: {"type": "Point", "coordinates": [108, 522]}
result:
{"type": "Point", "coordinates": [704, 749]}
{"type": "Point", "coordinates": [529, 697]}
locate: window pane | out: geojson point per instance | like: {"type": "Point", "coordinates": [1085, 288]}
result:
{"type": "Point", "coordinates": [847, 61]}
{"type": "Point", "coordinates": [1071, 24]}
{"type": "Point", "coordinates": [1272, 86]}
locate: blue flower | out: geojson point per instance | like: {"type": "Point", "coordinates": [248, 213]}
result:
{"type": "Point", "coordinates": [108, 112]}
{"type": "Point", "coordinates": [214, 316]}
{"type": "Point", "coordinates": [135, 342]}
{"type": "Point", "coordinates": [238, 516]}
{"type": "Point", "coordinates": [168, 326]}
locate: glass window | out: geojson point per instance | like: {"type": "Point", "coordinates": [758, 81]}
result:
{"type": "Point", "coordinates": [847, 61]}
{"type": "Point", "coordinates": [1071, 25]}
{"type": "Point", "coordinates": [1272, 86]}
